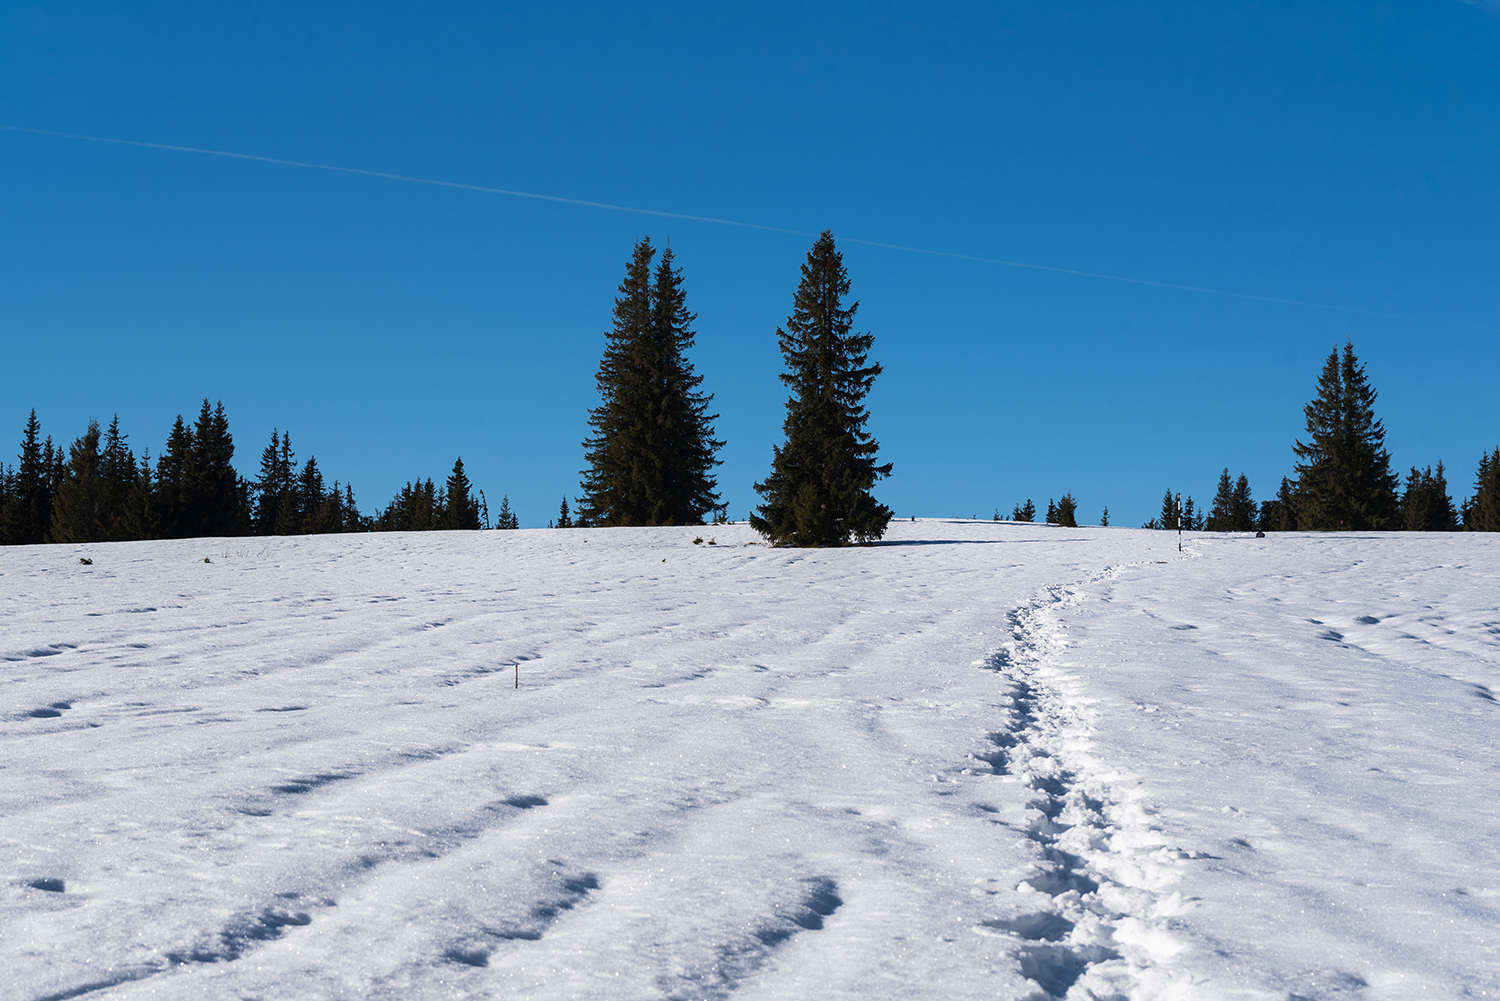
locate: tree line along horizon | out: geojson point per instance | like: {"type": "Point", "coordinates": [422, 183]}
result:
{"type": "Point", "coordinates": [651, 454]}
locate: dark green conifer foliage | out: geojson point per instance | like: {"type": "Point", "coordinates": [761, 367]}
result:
{"type": "Point", "coordinates": [615, 485]}
{"type": "Point", "coordinates": [288, 505]}
{"type": "Point", "coordinates": [506, 519]}
{"type": "Point", "coordinates": [1104, 518]}
{"type": "Point", "coordinates": [28, 512]}
{"type": "Point", "coordinates": [1482, 511]}
{"type": "Point", "coordinates": [689, 451]}
{"type": "Point", "coordinates": [1233, 507]}
{"type": "Point", "coordinates": [353, 520]}
{"type": "Point", "coordinates": [213, 497]}
{"type": "Point", "coordinates": [310, 495]}
{"type": "Point", "coordinates": [1284, 514]}
{"type": "Point", "coordinates": [563, 518]}
{"type": "Point", "coordinates": [460, 509]}
{"type": "Point", "coordinates": [7, 491]}
{"type": "Point", "coordinates": [1242, 506]}
{"type": "Point", "coordinates": [1219, 516]}
{"type": "Point", "coordinates": [1170, 514]}
{"type": "Point", "coordinates": [1344, 473]}
{"type": "Point", "coordinates": [141, 520]}
{"type": "Point", "coordinates": [78, 511]}
{"type": "Point", "coordinates": [1051, 512]}
{"type": "Point", "coordinates": [1024, 512]}
{"type": "Point", "coordinates": [1191, 520]}
{"type": "Point", "coordinates": [328, 517]}
{"type": "Point", "coordinates": [818, 491]}
{"type": "Point", "coordinates": [275, 489]}
{"type": "Point", "coordinates": [1067, 511]}
{"type": "Point", "coordinates": [652, 451]}
{"type": "Point", "coordinates": [119, 481]}
{"type": "Point", "coordinates": [414, 509]}
{"type": "Point", "coordinates": [1426, 506]}
{"type": "Point", "coordinates": [171, 477]}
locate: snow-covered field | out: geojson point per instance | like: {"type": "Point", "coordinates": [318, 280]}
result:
{"type": "Point", "coordinates": [978, 761]}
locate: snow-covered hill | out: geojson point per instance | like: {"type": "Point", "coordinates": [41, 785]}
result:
{"type": "Point", "coordinates": [978, 761]}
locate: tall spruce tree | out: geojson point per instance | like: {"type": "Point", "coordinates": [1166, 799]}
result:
{"type": "Point", "coordinates": [353, 520]}
{"type": "Point", "coordinates": [171, 478]}
{"type": "Point", "coordinates": [413, 509]}
{"type": "Point", "coordinates": [1170, 512]}
{"type": "Point", "coordinates": [1024, 512]}
{"type": "Point", "coordinates": [215, 502]}
{"type": "Point", "coordinates": [275, 485]}
{"type": "Point", "coordinates": [1219, 516]}
{"type": "Point", "coordinates": [651, 452]}
{"type": "Point", "coordinates": [690, 450]}
{"type": "Point", "coordinates": [1242, 506]}
{"type": "Point", "coordinates": [818, 492]}
{"type": "Point", "coordinates": [1280, 514]}
{"type": "Point", "coordinates": [1067, 511]}
{"type": "Point", "coordinates": [141, 519]}
{"type": "Point", "coordinates": [460, 509]}
{"type": "Point", "coordinates": [119, 480]}
{"type": "Point", "coordinates": [7, 491]}
{"type": "Point", "coordinates": [311, 493]}
{"type": "Point", "coordinates": [1481, 512]}
{"type": "Point", "coordinates": [78, 504]}
{"type": "Point", "coordinates": [1344, 473]}
{"type": "Point", "coordinates": [1425, 505]}
{"type": "Point", "coordinates": [28, 513]}
{"type": "Point", "coordinates": [506, 519]}
{"type": "Point", "coordinates": [1233, 506]}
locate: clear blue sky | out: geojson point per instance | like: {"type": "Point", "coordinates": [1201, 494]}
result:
{"type": "Point", "coordinates": [1342, 154]}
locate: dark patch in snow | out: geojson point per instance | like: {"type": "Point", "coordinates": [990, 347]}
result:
{"type": "Point", "coordinates": [1331, 634]}
{"type": "Point", "coordinates": [1044, 926]}
{"type": "Point", "coordinates": [1184, 626]}
{"type": "Point", "coordinates": [1055, 968]}
{"type": "Point", "coordinates": [1368, 620]}
{"type": "Point", "coordinates": [1323, 984]}
{"type": "Point", "coordinates": [50, 885]}
{"type": "Point", "coordinates": [568, 892]}
{"type": "Point", "coordinates": [119, 977]}
{"type": "Point", "coordinates": [47, 713]}
{"type": "Point", "coordinates": [816, 900]}
{"type": "Point", "coordinates": [296, 787]}
{"type": "Point", "coordinates": [524, 802]}
{"type": "Point", "coordinates": [241, 935]}
{"type": "Point", "coordinates": [468, 957]}
{"type": "Point", "coordinates": [50, 650]}
{"type": "Point", "coordinates": [282, 709]}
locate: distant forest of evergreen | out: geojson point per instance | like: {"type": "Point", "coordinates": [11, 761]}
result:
{"type": "Point", "coordinates": [97, 490]}
{"type": "Point", "coordinates": [651, 455]}
{"type": "Point", "coordinates": [1343, 481]}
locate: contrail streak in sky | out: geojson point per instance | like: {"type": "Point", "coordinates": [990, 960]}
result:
{"type": "Point", "coordinates": [383, 175]}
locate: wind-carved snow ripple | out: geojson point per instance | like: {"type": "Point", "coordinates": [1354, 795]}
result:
{"type": "Point", "coordinates": [1099, 924]}
{"type": "Point", "coordinates": [732, 963]}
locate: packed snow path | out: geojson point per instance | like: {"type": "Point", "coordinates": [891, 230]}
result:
{"type": "Point", "coordinates": [983, 760]}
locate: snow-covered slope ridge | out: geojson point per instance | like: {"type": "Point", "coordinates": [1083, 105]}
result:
{"type": "Point", "coordinates": [981, 760]}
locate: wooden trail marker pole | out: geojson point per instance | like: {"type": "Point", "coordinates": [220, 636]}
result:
{"type": "Point", "coordinates": [1179, 522]}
